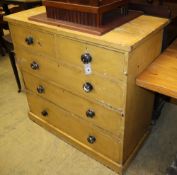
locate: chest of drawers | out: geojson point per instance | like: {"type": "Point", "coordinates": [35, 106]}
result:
{"type": "Point", "coordinates": [82, 88]}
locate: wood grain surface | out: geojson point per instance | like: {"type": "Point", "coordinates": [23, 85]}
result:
{"type": "Point", "coordinates": [161, 75]}
{"type": "Point", "coordinates": [73, 79]}
{"type": "Point", "coordinates": [126, 37]}
{"type": "Point", "coordinates": [104, 118]}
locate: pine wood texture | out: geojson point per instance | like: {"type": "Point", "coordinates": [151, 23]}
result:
{"type": "Point", "coordinates": [161, 75]}
{"type": "Point", "coordinates": [79, 145]}
{"type": "Point", "coordinates": [125, 38]}
{"type": "Point", "coordinates": [123, 110]}
{"type": "Point", "coordinates": [73, 126]}
{"type": "Point", "coordinates": [43, 42]}
{"type": "Point", "coordinates": [139, 101]}
{"type": "Point", "coordinates": [73, 103]}
{"type": "Point", "coordinates": [73, 79]}
{"type": "Point", "coordinates": [100, 56]}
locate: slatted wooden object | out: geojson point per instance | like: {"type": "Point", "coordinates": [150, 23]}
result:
{"type": "Point", "coordinates": [90, 16]}
{"type": "Point", "coordinates": [91, 12]}
{"type": "Point", "coordinates": [161, 75]}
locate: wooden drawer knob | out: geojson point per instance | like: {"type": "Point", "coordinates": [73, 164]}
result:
{"type": "Point", "coordinates": [34, 65]}
{"type": "Point", "coordinates": [44, 113]}
{"type": "Point", "coordinates": [87, 87]}
{"type": "Point", "coordinates": [90, 113]}
{"type": "Point", "coordinates": [91, 139]}
{"type": "Point", "coordinates": [86, 58]}
{"type": "Point", "coordinates": [40, 89]}
{"type": "Point", "coordinates": [29, 40]}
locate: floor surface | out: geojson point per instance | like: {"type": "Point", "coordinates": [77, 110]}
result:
{"type": "Point", "coordinates": [27, 149]}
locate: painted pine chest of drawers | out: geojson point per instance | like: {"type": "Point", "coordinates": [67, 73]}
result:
{"type": "Point", "coordinates": [82, 88]}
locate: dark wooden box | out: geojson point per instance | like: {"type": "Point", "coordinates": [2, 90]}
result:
{"type": "Point", "coordinates": [86, 12]}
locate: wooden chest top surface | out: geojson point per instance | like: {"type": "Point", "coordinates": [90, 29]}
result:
{"type": "Point", "coordinates": [126, 37]}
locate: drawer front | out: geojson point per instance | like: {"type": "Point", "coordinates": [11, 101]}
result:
{"type": "Point", "coordinates": [102, 90]}
{"type": "Point", "coordinates": [75, 127]}
{"type": "Point", "coordinates": [100, 57]}
{"type": "Point", "coordinates": [32, 40]}
{"type": "Point", "coordinates": [91, 112]}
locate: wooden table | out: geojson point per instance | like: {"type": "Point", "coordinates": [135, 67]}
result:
{"type": "Point", "coordinates": [161, 75]}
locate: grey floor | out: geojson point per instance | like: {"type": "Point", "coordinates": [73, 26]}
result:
{"type": "Point", "coordinates": [27, 149]}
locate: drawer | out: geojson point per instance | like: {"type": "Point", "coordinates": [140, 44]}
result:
{"type": "Point", "coordinates": [37, 42]}
{"type": "Point", "coordinates": [94, 87]}
{"type": "Point", "coordinates": [100, 57]}
{"type": "Point", "coordinates": [75, 128]}
{"type": "Point", "coordinates": [91, 112]}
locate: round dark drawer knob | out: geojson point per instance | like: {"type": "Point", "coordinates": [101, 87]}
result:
{"type": "Point", "coordinates": [91, 139]}
{"type": "Point", "coordinates": [29, 40]}
{"type": "Point", "coordinates": [87, 87]}
{"type": "Point", "coordinates": [90, 113]}
{"type": "Point", "coordinates": [34, 65]}
{"type": "Point", "coordinates": [44, 113]}
{"type": "Point", "coordinates": [40, 89]}
{"type": "Point", "coordinates": [86, 58]}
